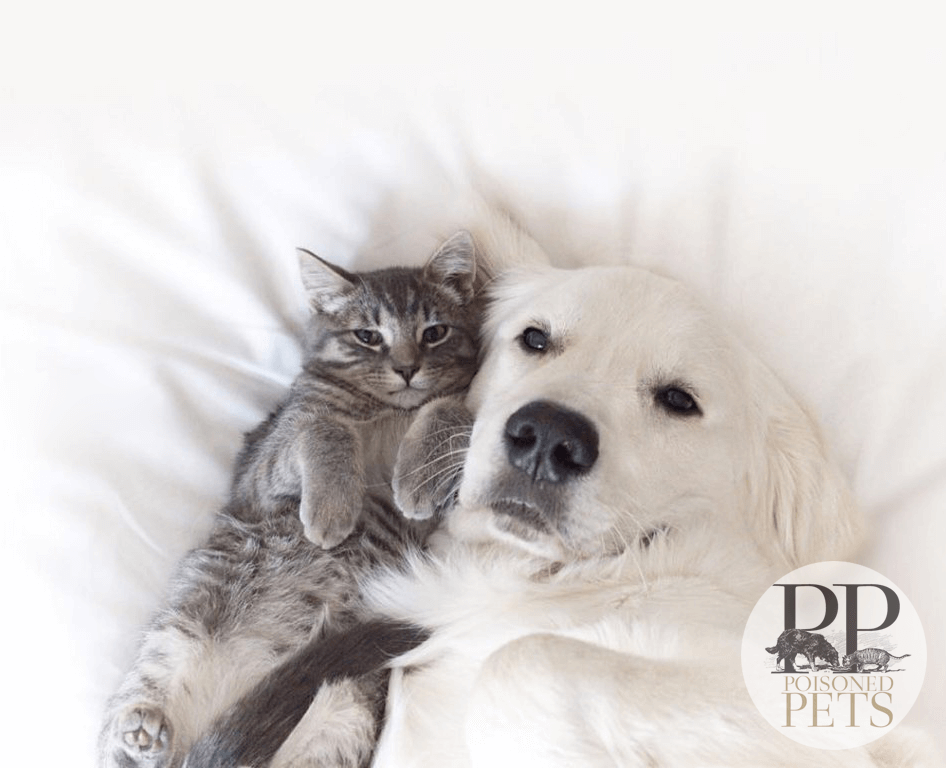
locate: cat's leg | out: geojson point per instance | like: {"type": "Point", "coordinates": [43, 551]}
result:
{"type": "Point", "coordinates": [308, 454]}
{"type": "Point", "coordinates": [140, 731]}
{"type": "Point", "coordinates": [183, 679]}
{"type": "Point", "coordinates": [330, 462]}
{"type": "Point", "coordinates": [340, 727]}
{"type": "Point", "coordinates": [322, 706]}
{"type": "Point", "coordinates": [430, 459]}
{"type": "Point", "coordinates": [139, 736]}
{"type": "Point", "coordinates": [192, 664]}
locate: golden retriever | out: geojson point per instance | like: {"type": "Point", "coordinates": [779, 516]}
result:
{"type": "Point", "coordinates": [634, 479]}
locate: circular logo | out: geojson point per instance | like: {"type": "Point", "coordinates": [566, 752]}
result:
{"type": "Point", "coordinates": [834, 655]}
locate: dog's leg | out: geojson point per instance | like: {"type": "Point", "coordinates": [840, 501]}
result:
{"type": "Point", "coordinates": [554, 701]}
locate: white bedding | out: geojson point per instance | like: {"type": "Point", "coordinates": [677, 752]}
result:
{"type": "Point", "coordinates": [157, 171]}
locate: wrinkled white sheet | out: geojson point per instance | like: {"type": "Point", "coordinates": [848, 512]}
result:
{"type": "Point", "coordinates": [156, 172]}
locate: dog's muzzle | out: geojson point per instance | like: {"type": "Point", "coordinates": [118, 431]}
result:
{"type": "Point", "coordinates": [550, 443]}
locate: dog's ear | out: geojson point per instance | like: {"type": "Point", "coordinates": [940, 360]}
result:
{"type": "Point", "coordinates": [800, 502]}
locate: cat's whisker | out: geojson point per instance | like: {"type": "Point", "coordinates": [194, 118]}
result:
{"type": "Point", "coordinates": [373, 486]}
{"type": "Point", "coordinates": [449, 471]}
{"type": "Point", "coordinates": [445, 483]}
{"type": "Point", "coordinates": [451, 431]}
{"type": "Point", "coordinates": [439, 459]}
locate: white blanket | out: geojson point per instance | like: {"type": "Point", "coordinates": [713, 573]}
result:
{"type": "Point", "coordinates": [158, 168]}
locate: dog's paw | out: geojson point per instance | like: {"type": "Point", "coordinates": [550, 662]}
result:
{"type": "Point", "coordinates": [429, 462]}
{"type": "Point", "coordinates": [329, 519]}
{"type": "Point", "coordinates": [141, 737]}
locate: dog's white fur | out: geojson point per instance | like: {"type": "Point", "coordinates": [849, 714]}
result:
{"type": "Point", "coordinates": [586, 646]}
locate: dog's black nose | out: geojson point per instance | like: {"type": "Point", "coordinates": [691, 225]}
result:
{"type": "Point", "coordinates": [551, 442]}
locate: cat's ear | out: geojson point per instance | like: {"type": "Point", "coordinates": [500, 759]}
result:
{"type": "Point", "coordinates": [453, 265]}
{"type": "Point", "coordinates": [326, 285]}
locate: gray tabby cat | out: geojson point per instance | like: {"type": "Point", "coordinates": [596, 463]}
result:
{"type": "Point", "coordinates": [378, 345]}
{"type": "Point", "coordinates": [288, 717]}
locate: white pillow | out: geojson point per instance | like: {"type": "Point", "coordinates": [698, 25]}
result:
{"type": "Point", "coordinates": [150, 305]}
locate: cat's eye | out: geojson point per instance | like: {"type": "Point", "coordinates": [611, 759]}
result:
{"type": "Point", "coordinates": [677, 401]}
{"type": "Point", "coordinates": [434, 334]}
{"type": "Point", "coordinates": [368, 337]}
{"type": "Point", "coordinates": [534, 339]}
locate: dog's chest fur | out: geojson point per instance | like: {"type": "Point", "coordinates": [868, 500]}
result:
{"type": "Point", "coordinates": [479, 603]}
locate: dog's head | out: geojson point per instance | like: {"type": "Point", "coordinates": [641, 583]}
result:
{"type": "Point", "coordinates": [611, 406]}
{"type": "Point", "coordinates": [829, 654]}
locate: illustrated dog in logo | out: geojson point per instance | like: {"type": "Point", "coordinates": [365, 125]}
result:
{"type": "Point", "coordinates": [798, 641]}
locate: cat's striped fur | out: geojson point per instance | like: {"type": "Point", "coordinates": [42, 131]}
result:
{"type": "Point", "coordinates": [379, 345]}
{"type": "Point", "coordinates": [879, 658]}
{"type": "Point", "coordinates": [258, 588]}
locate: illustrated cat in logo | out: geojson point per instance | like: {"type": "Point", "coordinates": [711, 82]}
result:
{"type": "Point", "coordinates": [855, 662]}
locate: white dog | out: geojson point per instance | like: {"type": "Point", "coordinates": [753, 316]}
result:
{"type": "Point", "coordinates": [635, 479]}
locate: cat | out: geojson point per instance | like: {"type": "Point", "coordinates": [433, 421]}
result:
{"type": "Point", "coordinates": [302, 688]}
{"type": "Point", "coordinates": [378, 345]}
{"type": "Point", "coordinates": [263, 585]}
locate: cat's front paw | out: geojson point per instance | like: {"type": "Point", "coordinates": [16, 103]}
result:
{"type": "Point", "coordinates": [329, 517]}
{"type": "Point", "coordinates": [429, 462]}
{"type": "Point", "coordinates": [414, 494]}
{"type": "Point", "coordinates": [141, 737]}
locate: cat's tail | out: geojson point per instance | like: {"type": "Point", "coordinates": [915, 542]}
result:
{"type": "Point", "coordinates": [773, 649]}
{"type": "Point", "coordinates": [252, 730]}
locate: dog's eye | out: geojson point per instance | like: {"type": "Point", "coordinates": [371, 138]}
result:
{"type": "Point", "coordinates": [677, 401]}
{"type": "Point", "coordinates": [368, 337]}
{"type": "Point", "coordinates": [534, 340]}
{"type": "Point", "coordinates": [434, 333]}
